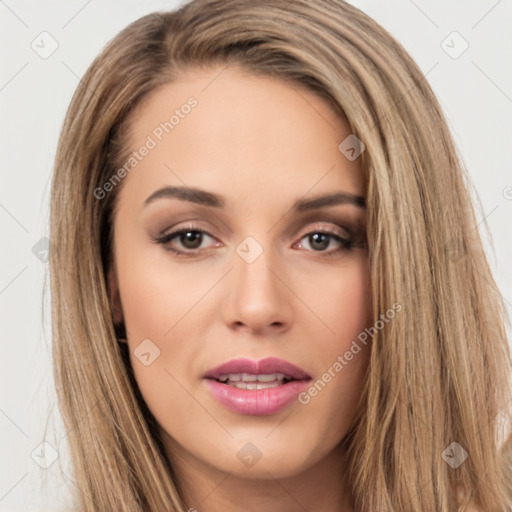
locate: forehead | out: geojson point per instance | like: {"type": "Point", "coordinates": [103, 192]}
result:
{"type": "Point", "coordinates": [226, 130]}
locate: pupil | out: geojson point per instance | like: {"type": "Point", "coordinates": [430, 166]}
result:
{"type": "Point", "coordinates": [191, 239]}
{"type": "Point", "coordinates": [320, 238]}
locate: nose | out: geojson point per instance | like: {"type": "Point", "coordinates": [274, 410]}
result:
{"type": "Point", "coordinates": [257, 298]}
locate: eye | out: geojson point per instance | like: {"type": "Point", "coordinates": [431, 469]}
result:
{"type": "Point", "coordinates": [189, 241]}
{"type": "Point", "coordinates": [319, 241]}
{"type": "Point", "coordinates": [188, 238]}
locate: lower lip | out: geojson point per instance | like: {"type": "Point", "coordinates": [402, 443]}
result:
{"type": "Point", "coordinates": [257, 402]}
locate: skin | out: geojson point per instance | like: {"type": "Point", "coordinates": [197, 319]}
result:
{"type": "Point", "coordinates": [261, 144]}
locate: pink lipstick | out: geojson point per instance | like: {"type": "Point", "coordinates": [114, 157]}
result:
{"type": "Point", "coordinates": [256, 388]}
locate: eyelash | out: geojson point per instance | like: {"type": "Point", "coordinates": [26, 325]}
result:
{"type": "Point", "coordinates": [345, 245]}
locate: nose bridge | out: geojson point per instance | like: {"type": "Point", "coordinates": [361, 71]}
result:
{"type": "Point", "coordinates": [258, 299]}
{"type": "Point", "coordinates": [253, 265]}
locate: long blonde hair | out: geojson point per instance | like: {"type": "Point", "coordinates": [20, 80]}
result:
{"type": "Point", "coordinates": [439, 372]}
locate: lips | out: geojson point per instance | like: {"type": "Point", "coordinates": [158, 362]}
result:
{"type": "Point", "coordinates": [271, 365]}
{"type": "Point", "coordinates": [256, 388]}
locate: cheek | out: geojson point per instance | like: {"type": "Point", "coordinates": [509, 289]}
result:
{"type": "Point", "coordinates": [344, 305]}
{"type": "Point", "coordinates": [341, 301]}
{"type": "Point", "coordinates": [153, 296]}
{"type": "Point", "coordinates": [153, 302]}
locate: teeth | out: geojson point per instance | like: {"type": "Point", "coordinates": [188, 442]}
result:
{"type": "Point", "coordinates": [265, 385]}
{"type": "Point", "coordinates": [249, 381]}
{"type": "Point", "coordinates": [256, 385]}
{"type": "Point", "coordinates": [246, 377]}
{"type": "Point", "coordinates": [269, 377]}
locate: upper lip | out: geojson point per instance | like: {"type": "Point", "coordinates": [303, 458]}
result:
{"type": "Point", "coordinates": [263, 366]}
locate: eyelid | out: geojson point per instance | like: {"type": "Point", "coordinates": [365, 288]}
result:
{"type": "Point", "coordinates": [187, 225]}
{"type": "Point", "coordinates": [176, 230]}
{"type": "Point", "coordinates": [318, 226]}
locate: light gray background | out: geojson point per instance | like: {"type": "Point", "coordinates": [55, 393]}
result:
{"type": "Point", "coordinates": [475, 91]}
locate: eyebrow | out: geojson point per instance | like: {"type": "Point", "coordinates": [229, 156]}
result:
{"type": "Point", "coordinates": [202, 197]}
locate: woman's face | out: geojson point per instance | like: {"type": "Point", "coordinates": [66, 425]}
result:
{"type": "Point", "coordinates": [264, 271]}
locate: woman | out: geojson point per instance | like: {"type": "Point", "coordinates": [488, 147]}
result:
{"type": "Point", "coordinates": [270, 293]}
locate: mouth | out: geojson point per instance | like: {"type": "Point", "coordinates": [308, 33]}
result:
{"type": "Point", "coordinates": [256, 388]}
{"type": "Point", "coordinates": [248, 374]}
{"type": "Point", "coordinates": [250, 381]}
